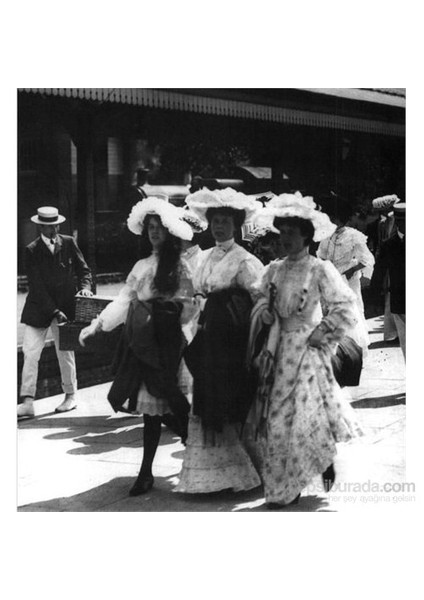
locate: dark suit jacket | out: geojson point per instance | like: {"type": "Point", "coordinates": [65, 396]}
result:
{"type": "Point", "coordinates": [392, 260]}
{"type": "Point", "coordinates": [53, 280]}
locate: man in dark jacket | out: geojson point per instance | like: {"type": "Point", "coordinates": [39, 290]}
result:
{"type": "Point", "coordinates": [53, 262]}
{"type": "Point", "coordinates": [391, 260]}
{"type": "Point", "coordinates": [378, 232]}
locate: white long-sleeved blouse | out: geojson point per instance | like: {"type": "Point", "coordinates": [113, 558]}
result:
{"type": "Point", "coordinates": [139, 284]}
{"type": "Point", "coordinates": [228, 265]}
{"type": "Point", "coordinates": [346, 248]}
{"type": "Point", "coordinates": [305, 285]}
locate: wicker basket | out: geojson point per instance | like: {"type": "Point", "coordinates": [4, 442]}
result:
{"type": "Point", "coordinates": [87, 309]}
{"type": "Point", "coordinates": [102, 342]}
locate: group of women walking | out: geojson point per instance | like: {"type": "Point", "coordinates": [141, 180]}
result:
{"type": "Point", "coordinates": [207, 322]}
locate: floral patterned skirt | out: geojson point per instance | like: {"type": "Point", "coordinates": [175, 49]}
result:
{"type": "Point", "coordinates": [215, 461]}
{"type": "Point", "coordinates": [307, 415]}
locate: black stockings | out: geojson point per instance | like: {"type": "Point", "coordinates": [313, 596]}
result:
{"type": "Point", "coordinates": [151, 437]}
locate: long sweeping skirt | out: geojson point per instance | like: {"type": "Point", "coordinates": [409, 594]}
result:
{"type": "Point", "coordinates": [215, 461]}
{"type": "Point", "coordinates": [307, 415]}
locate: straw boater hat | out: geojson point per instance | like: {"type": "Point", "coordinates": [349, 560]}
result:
{"type": "Point", "coordinates": [48, 215]}
{"type": "Point", "coordinates": [169, 214]}
{"type": "Point", "coordinates": [199, 202]}
{"type": "Point", "coordinates": [385, 202]}
{"type": "Point", "coordinates": [400, 209]}
{"type": "Point", "coordinates": [296, 205]}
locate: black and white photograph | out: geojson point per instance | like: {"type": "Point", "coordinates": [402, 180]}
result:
{"type": "Point", "coordinates": [211, 299]}
{"type": "Point", "coordinates": [207, 235]}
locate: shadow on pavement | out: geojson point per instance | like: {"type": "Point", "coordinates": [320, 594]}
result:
{"type": "Point", "coordinates": [94, 433]}
{"type": "Point", "coordinates": [95, 443]}
{"type": "Point", "coordinates": [305, 504]}
{"type": "Point", "coordinates": [376, 330]}
{"type": "Point", "coordinates": [380, 401]}
{"type": "Point", "coordinates": [90, 423]}
{"type": "Point", "coordinates": [112, 496]}
{"type": "Point", "coordinates": [103, 497]}
{"type": "Point", "coordinates": [382, 344]}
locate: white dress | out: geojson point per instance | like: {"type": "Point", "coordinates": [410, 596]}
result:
{"type": "Point", "coordinates": [139, 284]}
{"type": "Point", "coordinates": [217, 461]}
{"type": "Point", "coordinates": [307, 414]}
{"type": "Point", "coordinates": [346, 248]}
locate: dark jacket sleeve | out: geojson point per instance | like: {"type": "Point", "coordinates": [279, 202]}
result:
{"type": "Point", "coordinates": [81, 268]}
{"type": "Point", "coordinates": [380, 270]}
{"type": "Point", "coordinates": [39, 292]}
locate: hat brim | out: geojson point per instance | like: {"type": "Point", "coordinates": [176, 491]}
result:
{"type": "Point", "coordinates": [60, 219]}
{"type": "Point", "coordinates": [202, 200]}
{"type": "Point", "coordinates": [321, 222]}
{"type": "Point", "coordinates": [169, 214]}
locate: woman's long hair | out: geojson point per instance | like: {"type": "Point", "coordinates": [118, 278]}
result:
{"type": "Point", "coordinates": [168, 273]}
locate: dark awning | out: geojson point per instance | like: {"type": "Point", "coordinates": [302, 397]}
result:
{"type": "Point", "coordinates": [201, 102]}
{"type": "Point", "coordinates": [378, 96]}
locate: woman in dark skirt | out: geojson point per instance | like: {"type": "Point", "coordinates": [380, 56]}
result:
{"type": "Point", "coordinates": [155, 302]}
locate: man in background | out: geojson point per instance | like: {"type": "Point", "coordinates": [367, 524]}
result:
{"type": "Point", "coordinates": [391, 261]}
{"type": "Point", "coordinates": [53, 262]}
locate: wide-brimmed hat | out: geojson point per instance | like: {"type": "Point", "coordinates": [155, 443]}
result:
{"type": "Point", "coordinates": [199, 202]}
{"type": "Point", "coordinates": [169, 214]}
{"type": "Point", "coordinates": [296, 205]}
{"type": "Point", "coordinates": [385, 202]}
{"type": "Point", "coordinates": [48, 215]}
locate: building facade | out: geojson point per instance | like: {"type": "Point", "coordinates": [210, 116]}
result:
{"type": "Point", "coordinates": [79, 149]}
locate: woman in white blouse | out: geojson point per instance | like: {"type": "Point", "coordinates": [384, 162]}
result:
{"type": "Point", "coordinates": [347, 249]}
{"type": "Point", "coordinates": [215, 458]}
{"type": "Point", "coordinates": [162, 276]}
{"type": "Point", "coordinates": [303, 415]}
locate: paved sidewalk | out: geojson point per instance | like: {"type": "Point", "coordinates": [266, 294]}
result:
{"type": "Point", "coordinates": [86, 460]}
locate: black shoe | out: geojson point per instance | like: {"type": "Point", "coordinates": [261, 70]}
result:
{"type": "Point", "coordinates": [142, 485]}
{"type": "Point", "coordinates": [328, 478]}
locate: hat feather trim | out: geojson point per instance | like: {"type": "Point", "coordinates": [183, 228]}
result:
{"type": "Point", "coordinates": [168, 213]}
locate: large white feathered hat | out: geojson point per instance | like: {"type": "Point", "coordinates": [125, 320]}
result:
{"type": "Point", "coordinates": [296, 205]}
{"type": "Point", "coordinates": [169, 214]}
{"type": "Point", "coordinates": [200, 201]}
{"type": "Point", "coordinates": [385, 202]}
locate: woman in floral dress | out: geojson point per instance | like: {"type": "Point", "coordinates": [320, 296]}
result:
{"type": "Point", "coordinates": [215, 458]}
{"type": "Point", "coordinates": [347, 249]}
{"type": "Point", "coordinates": [305, 414]}
{"type": "Point", "coordinates": [161, 277]}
